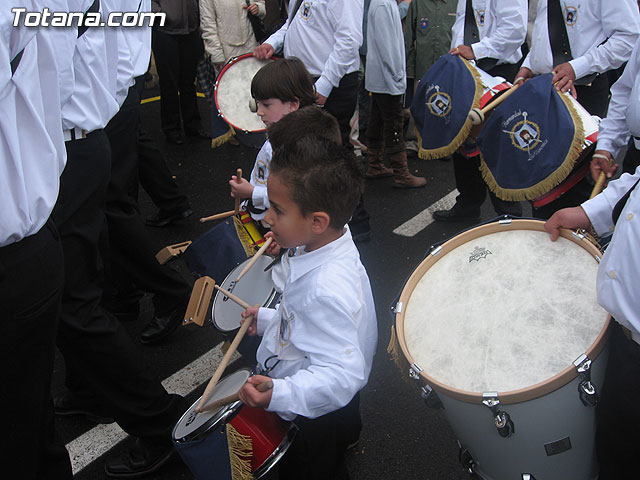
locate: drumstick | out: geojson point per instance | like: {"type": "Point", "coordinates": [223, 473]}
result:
{"type": "Point", "coordinates": [601, 179]}
{"type": "Point", "coordinates": [477, 115]}
{"type": "Point", "coordinates": [255, 258]}
{"type": "Point", "coordinates": [225, 361]}
{"type": "Point", "coordinates": [231, 296]}
{"type": "Point", "coordinates": [218, 216]}
{"type": "Point", "coordinates": [238, 181]}
{"type": "Point", "coordinates": [222, 402]}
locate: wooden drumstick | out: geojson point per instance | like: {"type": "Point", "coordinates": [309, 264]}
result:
{"type": "Point", "coordinates": [223, 402]}
{"type": "Point", "coordinates": [218, 216]}
{"type": "Point", "coordinates": [602, 178]}
{"type": "Point", "coordinates": [238, 181]}
{"type": "Point", "coordinates": [231, 296]}
{"type": "Point", "coordinates": [255, 258]}
{"type": "Point", "coordinates": [477, 115]}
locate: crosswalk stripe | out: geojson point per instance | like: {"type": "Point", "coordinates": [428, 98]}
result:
{"type": "Point", "coordinates": [421, 221]}
{"type": "Point", "coordinates": [102, 438]}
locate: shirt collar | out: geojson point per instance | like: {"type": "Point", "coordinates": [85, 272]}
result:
{"type": "Point", "coordinates": [301, 264]}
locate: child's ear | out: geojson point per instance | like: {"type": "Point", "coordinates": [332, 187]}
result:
{"type": "Point", "coordinates": [320, 222]}
{"type": "Point", "coordinates": [295, 104]}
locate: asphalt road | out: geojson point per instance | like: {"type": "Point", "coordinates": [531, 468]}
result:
{"type": "Point", "coordinates": [402, 438]}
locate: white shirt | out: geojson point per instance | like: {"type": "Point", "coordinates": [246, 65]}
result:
{"type": "Point", "coordinates": [326, 35]}
{"type": "Point", "coordinates": [324, 331]}
{"type": "Point", "coordinates": [259, 176]}
{"type": "Point", "coordinates": [93, 101]}
{"type": "Point", "coordinates": [502, 26]}
{"type": "Point", "coordinates": [623, 116]}
{"type": "Point", "coordinates": [619, 271]}
{"type": "Point", "coordinates": [386, 66]}
{"type": "Point", "coordinates": [32, 153]}
{"type": "Point", "coordinates": [593, 22]}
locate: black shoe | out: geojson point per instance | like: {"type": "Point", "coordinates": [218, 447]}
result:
{"type": "Point", "coordinates": [453, 215]}
{"type": "Point", "coordinates": [69, 405]}
{"type": "Point", "coordinates": [175, 138]}
{"type": "Point", "coordinates": [142, 459]}
{"type": "Point", "coordinates": [197, 132]}
{"type": "Point", "coordinates": [163, 218]}
{"type": "Point", "coordinates": [162, 326]}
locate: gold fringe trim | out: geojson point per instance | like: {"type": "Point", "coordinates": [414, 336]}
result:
{"type": "Point", "coordinates": [245, 239]}
{"type": "Point", "coordinates": [240, 453]}
{"type": "Point", "coordinates": [222, 139]}
{"type": "Point", "coordinates": [467, 126]}
{"type": "Point", "coordinates": [395, 351]}
{"type": "Point", "coordinates": [553, 180]}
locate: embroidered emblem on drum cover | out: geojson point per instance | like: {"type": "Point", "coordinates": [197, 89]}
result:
{"type": "Point", "coordinates": [305, 11]}
{"type": "Point", "coordinates": [439, 103]}
{"type": "Point", "coordinates": [285, 326]}
{"type": "Point", "coordinates": [478, 254]}
{"type": "Point", "coordinates": [570, 15]}
{"type": "Point", "coordinates": [525, 134]}
{"type": "Point", "coordinates": [480, 17]}
{"type": "Point", "coordinates": [424, 23]}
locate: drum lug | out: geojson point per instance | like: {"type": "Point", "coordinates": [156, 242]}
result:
{"type": "Point", "coordinates": [506, 220]}
{"type": "Point", "coordinates": [528, 476]}
{"type": "Point", "coordinates": [430, 397]}
{"type": "Point", "coordinates": [502, 420]}
{"type": "Point", "coordinates": [465, 459]}
{"type": "Point", "coordinates": [414, 371]}
{"type": "Point", "coordinates": [586, 389]}
{"type": "Point", "coordinates": [435, 251]}
{"type": "Point", "coordinates": [397, 308]}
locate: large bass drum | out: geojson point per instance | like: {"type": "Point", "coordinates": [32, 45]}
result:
{"type": "Point", "coordinates": [504, 325]}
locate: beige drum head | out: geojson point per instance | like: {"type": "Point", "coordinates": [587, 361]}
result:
{"type": "Point", "coordinates": [233, 93]}
{"type": "Point", "coordinates": [503, 309]}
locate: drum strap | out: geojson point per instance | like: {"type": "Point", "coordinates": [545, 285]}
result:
{"type": "Point", "coordinates": [472, 35]}
{"type": "Point", "coordinates": [94, 8]}
{"type": "Point", "coordinates": [295, 10]}
{"type": "Point", "coordinates": [559, 40]}
{"type": "Point", "coordinates": [16, 61]}
{"type": "Point", "coordinates": [617, 210]}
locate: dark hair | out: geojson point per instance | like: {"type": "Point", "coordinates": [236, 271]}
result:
{"type": "Point", "coordinates": [286, 79]}
{"type": "Point", "coordinates": [304, 121]}
{"type": "Point", "coordinates": [321, 175]}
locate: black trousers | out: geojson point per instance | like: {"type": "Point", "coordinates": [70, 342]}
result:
{"type": "Point", "coordinates": [317, 452]}
{"type": "Point", "coordinates": [31, 277]}
{"type": "Point", "coordinates": [96, 349]}
{"type": "Point", "coordinates": [342, 102]}
{"type": "Point", "coordinates": [469, 181]}
{"type": "Point", "coordinates": [618, 412]}
{"type": "Point", "coordinates": [595, 98]}
{"type": "Point", "coordinates": [386, 123]}
{"type": "Point", "coordinates": [131, 249]}
{"type": "Point", "coordinates": [177, 58]}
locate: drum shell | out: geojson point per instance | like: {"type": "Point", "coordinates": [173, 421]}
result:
{"type": "Point", "coordinates": [537, 422]}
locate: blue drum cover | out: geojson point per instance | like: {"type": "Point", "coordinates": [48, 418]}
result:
{"type": "Point", "coordinates": [208, 456]}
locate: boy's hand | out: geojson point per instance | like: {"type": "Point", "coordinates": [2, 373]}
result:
{"type": "Point", "coordinates": [274, 248]}
{"type": "Point", "coordinates": [251, 396]}
{"type": "Point", "coordinates": [264, 51]}
{"type": "Point", "coordinates": [253, 328]}
{"type": "Point", "coordinates": [572, 218]}
{"type": "Point", "coordinates": [240, 190]}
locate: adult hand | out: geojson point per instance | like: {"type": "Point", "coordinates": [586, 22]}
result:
{"type": "Point", "coordinates": [464, 51]}
{"type": "Point", "coordinates": [252, 8]}
{"type": "Point", "coordinates": [564, 78]}
{"type": "Point", "coordinates": [523, 75]}
{"type": "Point", "coordinates": [602, 161]}
{"type": "Point", "coordinates": [263, 52]}
{"type": "Point", "coordinates": [571, 218]}
{"type": "Point", "coordinates": [251, 396]}
{"type": "Point", "coordinates": [250, 312]}
{"type": "Point", "coordinates": [320, 99]}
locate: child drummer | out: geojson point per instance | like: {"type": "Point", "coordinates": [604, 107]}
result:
{"type": "Point", "coordinates": [318, 345]}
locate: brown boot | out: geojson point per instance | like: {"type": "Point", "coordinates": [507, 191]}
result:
{"type": "Point", "coordinates": [403, 178]}
{"type": "Point", "coordinates": [376, 168]}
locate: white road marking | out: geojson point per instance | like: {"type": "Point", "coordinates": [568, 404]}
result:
{"type": "Point", "coordinates": [421, 221]}
{"type": "Point", "coordinates": [99, 440]}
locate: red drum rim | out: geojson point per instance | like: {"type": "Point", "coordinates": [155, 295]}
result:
{"type": "Point", "coordinates": [228, 65]}
{"type": "Point", "coordinates": [514, 396]}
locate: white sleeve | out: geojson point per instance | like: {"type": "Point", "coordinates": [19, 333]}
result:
{"type": "Point", "coordinates": [510, 33]}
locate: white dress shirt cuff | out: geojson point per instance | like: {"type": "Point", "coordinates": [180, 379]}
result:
{"type": "Point", "coordinates": [580, 66]}
{"type": "Point", "coordinates": [599, 212]}
{"type": "Point", "coordinates": [323, 86]}
{"type": "Point", "coordinates": [479, 50]}
{"type": "Point", "coordinates": [265, 317]}
{"type": "Point", "coordinates": [259, 196]}
{"type": "Point", "coordinates": [281, 399]}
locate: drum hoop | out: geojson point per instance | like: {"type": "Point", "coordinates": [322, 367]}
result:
{"type": "Point", "coordinates": [268, 301]}
{"type": "Point", "coordinates": [232, 61]}
{"type": "Point", "coordinates": [513, 396]}
{"type": "Point", "coordinates": [278, 453]}
{"type": "Point", "coordinates": [222, 417]}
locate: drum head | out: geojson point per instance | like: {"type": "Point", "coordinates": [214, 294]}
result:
{"type": "Point", "coordinates": [255, 287]}
{"type": "Point", "coordinates": [501, 308]}
{"type": "Point", "coordinates": [191, 425]}
{"type": "Point", "coordinates": [233, 93]}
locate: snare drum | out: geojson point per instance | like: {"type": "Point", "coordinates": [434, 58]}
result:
{"type": "Point", "coordinates": [504, 325]}
{"type": "Point", "coordinates": [255, 287]}
{"type": "Point", "coordinates": [235, 436]}
{"type": "Point", "coordinates": [233, 98]}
